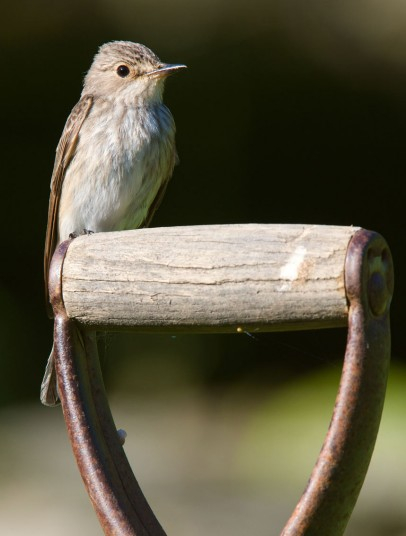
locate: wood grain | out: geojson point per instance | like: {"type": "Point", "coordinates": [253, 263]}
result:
{"type": "Point", "coordinates": [218, 278]}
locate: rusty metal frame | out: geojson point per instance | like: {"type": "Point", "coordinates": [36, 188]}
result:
{"type": "Point", "coordinates": [332, 491]}
{"type": "Point", "coordinates": [112, 487]}
{"type": "Point", "coordinates": [333, 488]}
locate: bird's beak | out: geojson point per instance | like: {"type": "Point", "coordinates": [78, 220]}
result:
{"type": "Point", "coordinates": [165, 70]}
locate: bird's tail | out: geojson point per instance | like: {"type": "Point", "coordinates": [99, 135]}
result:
{"type": "Point", "coordinates": [49, 389]}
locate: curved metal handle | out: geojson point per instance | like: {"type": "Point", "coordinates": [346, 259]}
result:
{"type": "Point", "coordinates": [116, 496]}
{"type": "Point", "coordinates": [330, 496]}
{"type": "Point", "coordinates": [335, 483]}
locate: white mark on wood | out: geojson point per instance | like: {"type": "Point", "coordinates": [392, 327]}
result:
{"type": "Point", "coordinates": [290, 270]}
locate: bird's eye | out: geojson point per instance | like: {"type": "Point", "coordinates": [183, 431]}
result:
{"type": "Point", "coordinates": [123, 71]}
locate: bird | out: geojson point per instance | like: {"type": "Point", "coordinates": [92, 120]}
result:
{"type": "Point", "coordinates": [115, 156]}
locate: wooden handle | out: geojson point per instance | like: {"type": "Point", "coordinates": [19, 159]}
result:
{"type": "Point", "coordinates": [221, 278]}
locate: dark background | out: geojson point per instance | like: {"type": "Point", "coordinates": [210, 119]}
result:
{"type": "Point", "coordinates": [289, 113]}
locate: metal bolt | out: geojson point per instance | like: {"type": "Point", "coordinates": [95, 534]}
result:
{"type": "Point", "coordinates": [380, 280]}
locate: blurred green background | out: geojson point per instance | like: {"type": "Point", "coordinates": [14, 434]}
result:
{"type": "Point", "coordinates": [290, 112]}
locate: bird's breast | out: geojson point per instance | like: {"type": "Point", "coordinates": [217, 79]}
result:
{"type": "Point", "coordinates": [122, 157]}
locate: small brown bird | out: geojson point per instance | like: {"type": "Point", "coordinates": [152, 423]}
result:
{"type": "Point", "coordinates": [115, 157]}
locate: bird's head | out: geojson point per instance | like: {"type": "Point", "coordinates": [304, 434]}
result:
{"type": "Point", "coordinates": [129, 72]}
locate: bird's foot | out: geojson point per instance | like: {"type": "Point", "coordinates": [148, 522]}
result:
{"type": "Point", "coordinates": [84, 232]}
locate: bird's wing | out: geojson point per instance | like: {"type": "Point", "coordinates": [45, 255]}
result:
{"type": "Point", "coordinates": [161, 192]}
{"type": "Point", "coordinates": [64, 154]}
